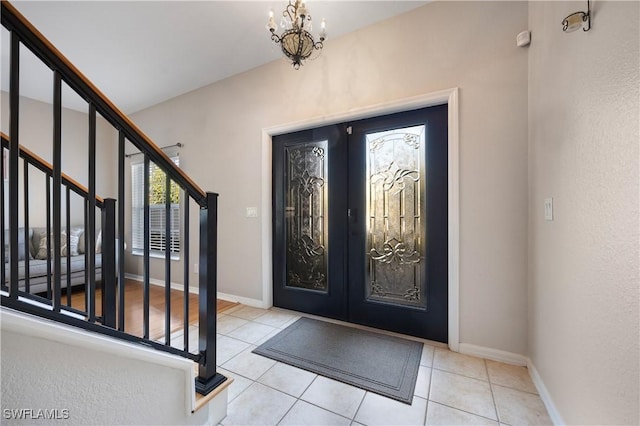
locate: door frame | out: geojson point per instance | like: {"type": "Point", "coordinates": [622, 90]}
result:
{"type": "Point", "coordinates": [447, 96]}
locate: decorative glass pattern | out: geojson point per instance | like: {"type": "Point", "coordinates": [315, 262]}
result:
{"type": "Point", "coordinates": [306, 218]}
{"type": "Point", "coordinates": [396, 212]}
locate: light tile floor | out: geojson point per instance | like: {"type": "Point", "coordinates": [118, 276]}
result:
{"type": "Point", "coordinates": [451, 388]}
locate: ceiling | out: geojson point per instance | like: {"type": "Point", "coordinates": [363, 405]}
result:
{"type": "Point", "coordinates": [140, 53]}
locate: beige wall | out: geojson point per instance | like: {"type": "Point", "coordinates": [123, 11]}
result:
{"type": "Point", "coordinates": [441, 45]}
{"type": "Point", "coordinates": [96, 378]}
{"type": "Point", "coordinates": [565, 109]}
{"type": "Point", "coordinates": [583, 266]}
{"type": "Point", "coordinates": [36, 134]}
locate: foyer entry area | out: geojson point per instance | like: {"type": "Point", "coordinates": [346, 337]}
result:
{"type": "Point", "coordinates": [451, 388]}
{"type": "Point", "coordinates": [360, 220]}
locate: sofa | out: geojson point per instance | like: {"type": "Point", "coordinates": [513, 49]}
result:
{"type": "Point", "coordinates": [37, 252]}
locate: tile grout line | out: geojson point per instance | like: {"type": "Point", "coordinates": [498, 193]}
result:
{"type": "Point", "coordinates": [359, 406]}
{"type": "Point", "coordinates": [482, 380]}
{"type": "Point", "coordinates": [493, 398]}
{"type": "Point", "coordinates": [316, 405]}
{"type": "Point", "coordinates": [433, 362]}
{"type": "Point", "coordinates": [468, 412]}
{"type": "Point", "coordinates": [461, 375]}
{"type": "Point", "coordinates": [265, 372]}
{"type": "Point", "coordinates": [429, 392]}
{"type": "Point", "coordinates": [266, 385]}
{"type": "Point", "coordinates": [322, 408]}
{"type": "Point", "coordinates": [299, 398]}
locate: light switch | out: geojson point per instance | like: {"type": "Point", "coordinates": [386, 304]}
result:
{"type": "Point", "coordinates": [548, 209]}
{"type": "Point", "coordinates": [252, 212]}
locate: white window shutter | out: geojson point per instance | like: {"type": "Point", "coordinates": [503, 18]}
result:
{"type": "Point", "coordinates": [157, 240]}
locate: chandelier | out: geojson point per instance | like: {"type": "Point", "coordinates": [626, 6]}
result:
{"type": "Point", "coordinates": [296, 40]}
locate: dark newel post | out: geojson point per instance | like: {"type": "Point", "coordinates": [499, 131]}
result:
{"type": "Point", "coordinates": [208, 379]}
{"type": "Point", "coordinates": [109, 263]}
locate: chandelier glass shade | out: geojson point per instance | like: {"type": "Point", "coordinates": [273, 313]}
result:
{"type": "Point", "coordinates": [296, 41]}
{"type": "Point", "coordinates": [578, 20]}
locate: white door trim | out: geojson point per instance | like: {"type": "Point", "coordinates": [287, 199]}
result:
{"type": "Point", "coordinates": [449, 97]}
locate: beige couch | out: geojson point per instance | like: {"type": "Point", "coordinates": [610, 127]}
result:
{"type": "Point", "coordinates": [38, 259]}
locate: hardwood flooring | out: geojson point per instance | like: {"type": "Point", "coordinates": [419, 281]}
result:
{"type": "Point", "coordinates": [134, 308]}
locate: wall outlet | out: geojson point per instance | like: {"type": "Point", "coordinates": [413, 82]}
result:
{"type": "Point", "coordinates": [548, 209]}
{"type": "Point", "coordinates": [196, 268]}
{"type": "Point", "coordinates": [252, 212]}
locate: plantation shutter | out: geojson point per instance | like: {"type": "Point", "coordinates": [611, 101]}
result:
{"type": "Point", "coordinates": [158, 241]}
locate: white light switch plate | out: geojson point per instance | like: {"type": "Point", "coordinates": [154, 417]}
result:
{"type": "Point", "coordinates": [252, 212]}
{"type": "Point", "coordinates": [548, 209]}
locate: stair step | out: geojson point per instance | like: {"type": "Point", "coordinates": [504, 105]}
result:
{"type": "Point", "coordinates": [202, 400]}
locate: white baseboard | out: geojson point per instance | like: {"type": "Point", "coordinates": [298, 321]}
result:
{"type": "Point", "coordinates": [153, 281]}
{"type": "Point", "coordinates": [517, 359]}
{"type": "Point", "coordinates": [493, 354]}
{"type": "Point", "coordinates": [256, 303]}
{"type": "Point", "coordinates": [556, 418]}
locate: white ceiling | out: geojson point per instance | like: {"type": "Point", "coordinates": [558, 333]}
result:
{"type": "Point", "coordinates": [140, 53]}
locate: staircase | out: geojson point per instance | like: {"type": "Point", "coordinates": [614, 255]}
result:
{"type": "Point", "coordinates": [104, 277]}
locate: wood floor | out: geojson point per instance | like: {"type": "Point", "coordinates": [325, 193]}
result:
{"type": "Point", "coordinates": [134, 308]}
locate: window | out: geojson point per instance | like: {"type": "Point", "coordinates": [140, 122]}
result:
{"type": "Point", "coordinates": [157, 239]}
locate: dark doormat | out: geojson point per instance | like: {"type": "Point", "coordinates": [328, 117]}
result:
{"type": "Point", "coordinates": [375, 362]}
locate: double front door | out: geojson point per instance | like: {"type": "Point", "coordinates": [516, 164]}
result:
{"type": "Point", "coordinates": [360, 222]}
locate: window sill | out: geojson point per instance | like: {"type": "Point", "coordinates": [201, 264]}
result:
{"type": "Point", "coordinates": [155, 255]}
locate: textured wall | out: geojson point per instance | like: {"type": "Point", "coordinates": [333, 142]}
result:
{"type": "Point", "coordinates": [45, 369]}
{"type": "Point", "coordinates": [470, 45]}
{"type": "Point", "coordinates": [583, 152]}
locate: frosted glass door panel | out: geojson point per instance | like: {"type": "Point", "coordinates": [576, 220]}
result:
{"type": "Point", "coordinates": [306, 189]}
{"type": "Point", "coordinates": [396, 213]}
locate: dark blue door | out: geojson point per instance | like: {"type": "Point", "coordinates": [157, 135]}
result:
{"type": "Point", "coordinates": [360, 222]}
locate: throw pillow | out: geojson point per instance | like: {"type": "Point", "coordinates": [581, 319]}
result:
{"type": "Point", "coordinates": [74, 239]}
{"type": "Point", "coordinates": [63, 243]}
{"type": "Point", "coordinates": [42, 248]}
{"type": "Point", "coordinates": [81, 243]}
{"type": "Point", "coordinates": [99, 243]}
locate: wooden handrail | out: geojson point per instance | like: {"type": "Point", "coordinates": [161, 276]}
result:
{"type": "Point", "coordinates": [24, 33]}
{"type": "Point", "coordinates": [47, 168]}
{"type": "Point", "coordinates": [13, 20]}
